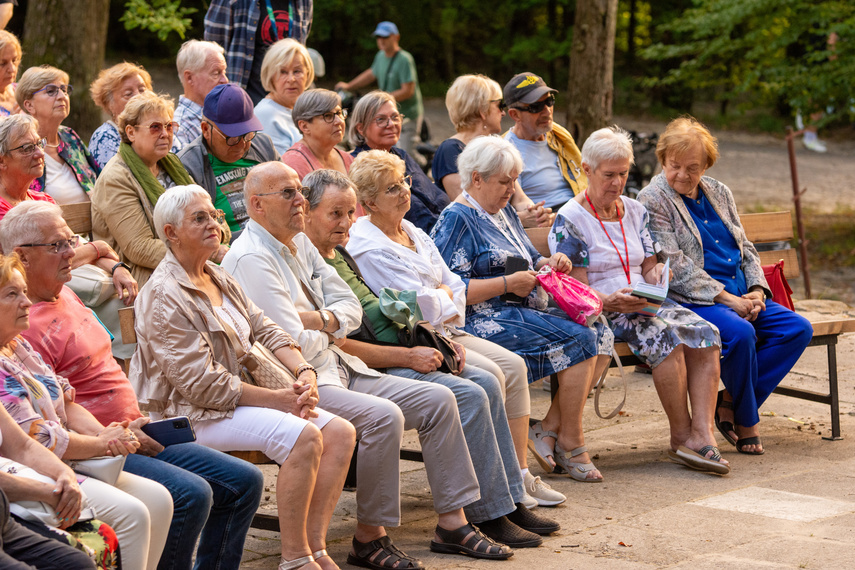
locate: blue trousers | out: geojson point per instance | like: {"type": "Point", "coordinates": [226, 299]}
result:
{"type": "Point", "coordinates": [756, 355]}
{"type": "Point", "coordinates": [215, 495]}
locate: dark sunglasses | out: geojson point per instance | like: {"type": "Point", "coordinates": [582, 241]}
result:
{"type": "Point", "coordinates": [502, 105]}
{"type": "Point", "coordinates": [535, 108]}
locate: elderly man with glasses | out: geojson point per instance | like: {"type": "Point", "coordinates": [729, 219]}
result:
{"type": "Point", "coordinates": [553, 163]}
{"type": "Point", "coordinates": [229, 146]}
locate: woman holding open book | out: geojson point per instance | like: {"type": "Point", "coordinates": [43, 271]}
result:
{"type": "Point", "coordinates": [606, 236]}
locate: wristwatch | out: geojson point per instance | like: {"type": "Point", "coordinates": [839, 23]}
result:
{"type": "Point", "coordinates": [325, 318]}
{"type": "Point", "coordinates": [118, 265]}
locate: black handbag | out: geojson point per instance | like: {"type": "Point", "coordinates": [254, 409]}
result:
{"type": "Point", "coordinates": [423, 334]}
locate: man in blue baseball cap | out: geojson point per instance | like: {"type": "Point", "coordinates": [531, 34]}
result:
{"type": "Point", "coordinates": [228, 147]}
{"type": "Point", "coordinates": [394, 70]}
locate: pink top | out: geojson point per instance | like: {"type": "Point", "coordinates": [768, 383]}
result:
{"type": "Point", "coordinates": [300, 158]}
{"type": "Point", "coordinates": [6, 206]}
{"type": "Point", "coordinates": [73, 341]}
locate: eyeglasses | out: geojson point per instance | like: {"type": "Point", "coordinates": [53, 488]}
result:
{"type": "Point", "coordinates": [330, 117]}
{"type": "Point", "coordinates": [287, 193]}
{"type": "Point", "coordinates": [51, 90]}
{"type": "Point", "coordinates": [535, 108]}
{"type": "Point", "coordinates": [233, 141]}
{"type": "Point", "coordinates": [383, 121]}
{"type": "Point", "coordinates": [201, 218]}
{"type": "Point", "coordinates": [156, 129]}
{"type": "Point", "coordinates": [404, 184]}
{"type": "Point", "coordinates": [30, 148]}
{"type": "Point", "coordinates": [57, 246]}
{"type": "Point", "coordinates": [501, 102]}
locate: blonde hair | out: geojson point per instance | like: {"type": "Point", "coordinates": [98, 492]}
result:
{"type": "Point", "coordinates": [684, 134]}
{"type": "Point", "coordinates": [6, 39]}
{"type": "Point", "coordinates": [282, 53]}
{"type": "Point", "coordinates": [140, 105]}
{"type": "Point", "coordinates": [101, 90]}
{"type": "Point", "coordinates": [468, 98]}
{"type": "Point", "coordinates": [373, 170]}
{"type": "Point", "coordinates": [8, 264]}
{"type": "Point", "coordinates": [36, 78]}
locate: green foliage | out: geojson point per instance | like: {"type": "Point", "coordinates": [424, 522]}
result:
{"type": "Point", "coordinates": [158, 16]}
{"type": "Point", "coordinates": [761, 52]}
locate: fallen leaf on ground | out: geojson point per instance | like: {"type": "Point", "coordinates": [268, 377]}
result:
{"type": "Point", "coordinates": [627, 545]}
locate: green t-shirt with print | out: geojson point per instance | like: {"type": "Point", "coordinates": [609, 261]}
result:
{"type": "Point", "coordinates": [385, 329]}
{"type": "Point", "coordinates": [229, 176]}
{"type": "Point", "coordinates": [403, 71]}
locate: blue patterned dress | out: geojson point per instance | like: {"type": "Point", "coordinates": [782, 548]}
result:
{"type": "Point", "coordinates": [474, 248]}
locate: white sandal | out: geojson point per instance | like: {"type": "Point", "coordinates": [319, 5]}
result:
{"type": "Point", "coordinates": [539, 448]}
{"type": "Point", "coordinates": [297, 562]}
{"type": "Point", "coordinates": [578, 471]}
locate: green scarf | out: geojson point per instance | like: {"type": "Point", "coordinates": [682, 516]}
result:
{"type": "Point", "coordinates": [149, 183]}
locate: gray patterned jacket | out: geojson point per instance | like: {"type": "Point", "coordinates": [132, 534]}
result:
{"type": "Point", "coordinates": [675, 230]}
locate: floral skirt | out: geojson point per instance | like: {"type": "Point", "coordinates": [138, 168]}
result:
{"type": "Point", "coordinates": [653, 338]}
{"type": "Point", "coordinates": [92, 537]}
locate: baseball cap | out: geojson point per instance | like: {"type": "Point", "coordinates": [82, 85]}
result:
{"type": "Point", "coordinates": [230, 108]}
{"type": "Point", "coordinates": [385, 29]}
{"type": "Point", "coordinates": [525, 88]}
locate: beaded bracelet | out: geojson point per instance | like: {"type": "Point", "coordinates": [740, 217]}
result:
{"type": "Point", "coordinates": [302, 368]}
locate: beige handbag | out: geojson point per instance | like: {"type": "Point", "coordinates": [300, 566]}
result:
{"type": "Point", "coordinates": [260, 366]}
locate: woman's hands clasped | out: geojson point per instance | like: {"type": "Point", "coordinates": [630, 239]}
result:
{"type": "Point", "coordinates": [118, 439]}
{"type": "Point", "coordinates": [66, 499]}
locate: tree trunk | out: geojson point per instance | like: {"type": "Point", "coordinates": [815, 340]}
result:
{"type": "Point", "coordinates": [70, 35]}
{"type": "Point", "coordinates": [591, 85]}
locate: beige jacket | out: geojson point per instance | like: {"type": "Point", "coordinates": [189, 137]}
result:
{"type": "Point", "coordinates": [184, 363]}
{"type": "Point", "coordinates": [123, 217]}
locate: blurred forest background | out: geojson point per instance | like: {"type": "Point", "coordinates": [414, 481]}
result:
{"type": "Point", "coordinates": [735, 63]}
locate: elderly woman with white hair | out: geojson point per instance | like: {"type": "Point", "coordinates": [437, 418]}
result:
{"type": "Point", "coordinates": [193, 320]}
{"type": "Point", "coordinates": [607, 238]}
{"type": "Point", "coordinates": [286, 72]}
{"type": "Point", "coordinates": [320, 118]}
{"type": "Point", "coordinates": [478, 235]}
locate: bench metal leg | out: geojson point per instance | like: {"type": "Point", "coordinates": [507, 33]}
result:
{"type": "Point", "coordinates": [832, 392]}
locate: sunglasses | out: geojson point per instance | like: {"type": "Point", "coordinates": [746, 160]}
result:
{"type": "Point", "coordinates": [157, 128]}
{"type": "Point", "coordinates": [52, 90]}
{"type": "Point", "coordinates": [30, 148]}
{"type": "Point", "coordinates": [233, 141]}
{"type": "Point", "coordinates": [535, 108]}
{"type": "Point", "coordinates": [502, 105]}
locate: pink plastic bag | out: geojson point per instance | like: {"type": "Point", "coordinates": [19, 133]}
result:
{"type": "Point", "coordinates": [579, 301]}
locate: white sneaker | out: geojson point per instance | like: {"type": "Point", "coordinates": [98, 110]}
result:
{"type": "Point", "coordinates": [529, 502]}
{"type": "Point", "coordinates": [545, 495]}
{"type": "Point", "coordinates": [815, 145]}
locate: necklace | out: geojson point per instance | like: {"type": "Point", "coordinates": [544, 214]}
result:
{"type": "Point", "coordinates": [623, 265]}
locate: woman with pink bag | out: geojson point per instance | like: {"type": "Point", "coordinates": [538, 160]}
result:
{"type": "Point", "coordinates": [606, 236]}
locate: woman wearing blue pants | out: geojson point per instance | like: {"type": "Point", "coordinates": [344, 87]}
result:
{"type": "Point", "coordinates": [717, 274]}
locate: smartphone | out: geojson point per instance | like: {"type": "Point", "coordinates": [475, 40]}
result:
{"type": "Point", "coordinates": [512, 265]}
{"type": "Point", "coordinates": [170, 431]}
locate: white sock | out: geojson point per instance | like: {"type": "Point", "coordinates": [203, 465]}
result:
{"type": "Point", "coordinates": [524, 472]}
{"type": "Point", "coordinates": [810, 136]}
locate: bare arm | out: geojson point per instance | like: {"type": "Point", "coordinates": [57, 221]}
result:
{"type": "Point", "coordinates": [531, 214]}
{"type": "Point", "coordinates": [451, 184]}
{"type": "Point", "coordinates": [406, 91]}
{"type": "Point", "coordinates": [361, 80]}
{"type": "Point", "coordinates": [421, 358]}
{"type": "Point", "coordinates": [5, 15]}
{"type": "Point", "coordinates": [520, 283]}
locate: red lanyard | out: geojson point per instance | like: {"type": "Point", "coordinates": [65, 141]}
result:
{"type": "Point", "coordinates": [624, 266]}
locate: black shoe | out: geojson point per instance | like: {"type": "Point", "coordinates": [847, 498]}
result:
{"type": "Point", "coordinates": [528, 520]}
{"type": "Point", "coordinates": [505, 532]}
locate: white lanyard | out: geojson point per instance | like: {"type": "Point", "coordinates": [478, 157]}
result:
{"type": "Point", "coordinates": [514, 238]}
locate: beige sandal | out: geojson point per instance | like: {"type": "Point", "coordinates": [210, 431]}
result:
{"type": "Point", "coordinates": [578, 471]}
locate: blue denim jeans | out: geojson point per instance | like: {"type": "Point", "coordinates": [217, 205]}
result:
{"type": "Point", "coordinates": [215, 495]}
{"type": "Point", "coordinates": [488, 437]}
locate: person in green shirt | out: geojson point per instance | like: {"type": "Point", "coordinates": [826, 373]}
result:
{"type": "Point", "coordinates": [394, 69]}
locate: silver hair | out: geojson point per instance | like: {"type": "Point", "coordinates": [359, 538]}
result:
{"type": "Point", "coordinates": [193, 55]}
{"type": "Point", "coordinates": [365, 110]}
{"type": "Point", "coordinates": [609, 143]}
{"type": "Point", "coordinates": [314, 102]}
{"type": "Point", "coordinates": [23, 223]}
{"type": "Point", "coordinates": [318, 181]}
{"type": "Point", "coordinates": [488, 156]}
{"type": "Point", "coordinates": [16, 126]}
{"type": "Point", "coordinates": [171, 205]}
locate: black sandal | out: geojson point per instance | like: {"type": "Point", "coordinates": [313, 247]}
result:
{"type": "Point", "coordinates": [470, 541]}
{"type": "Point", "coordinates": [754, 440]}
{"type": "Point", "coordinates": [381, 554]}
{"type": "Point", "coordinates": [724, 427]}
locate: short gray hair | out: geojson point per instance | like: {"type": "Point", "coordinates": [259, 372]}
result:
{"type": "Point", "coordinates": [610, 143]}
{"type": "Point", "coordinates": [314, 102]}
{"type": "Point", "coordinates": [171, 205]}
{"type": "Point", "coordinates": [193, 55]}
{"type": "Point", "coordinates": [15, 126]}
{"type": "Point", "coordinates": [318, 181]}
{"type": "Point", "coordinates": [23, 223]}
{"type": "Point", "coordinates": [365, 110]}
{"type": "Point", "coordinates": [488, 156]}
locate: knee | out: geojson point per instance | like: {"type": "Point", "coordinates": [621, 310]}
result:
{"type": "Point", "coordinates": [802, 331]}
{"type": "Point", "coordinates": [309, 445]}
{"type": "Point", "coordinates": [194, 494]}
{"type": "Point", "coordinates": [339, 435]}
{"type": "Point", "coordinates": [738, 333]}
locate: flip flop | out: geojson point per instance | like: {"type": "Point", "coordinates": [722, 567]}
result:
{"type": "Point", "coordinates": [724, 427]}
{"type": "Point", "coordinates": [754, 440]}
{"type": "Point", "coordinates": [696, 459]}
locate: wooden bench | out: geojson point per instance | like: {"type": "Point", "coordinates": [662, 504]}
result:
{"type": "Point", "coordinates": [78, 217]}
{"type": "Point", "coordinates": [764, 228]}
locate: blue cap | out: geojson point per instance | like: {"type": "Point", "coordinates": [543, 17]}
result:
{"type": "Point", "coordinates": [386, 29]}
{"type": "Point", "coordinates": [230, 108]}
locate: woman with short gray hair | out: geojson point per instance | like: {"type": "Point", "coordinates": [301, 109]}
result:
{"type": "Point", "coordinates": [606, 236]}
{"type": "Point", "coordinates": [320, 118]}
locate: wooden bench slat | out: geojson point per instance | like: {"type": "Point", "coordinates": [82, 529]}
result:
{"type": "Point", "coordinates": [78, 217]}
{"type": "Point", "coordinates": [791, 261]}
{"type": "Point", "coordinates": [768, 226]}
{"type": "Point", "coordinates": [126, 325]}
{"type": "Point", "coordinates": [838, 326]}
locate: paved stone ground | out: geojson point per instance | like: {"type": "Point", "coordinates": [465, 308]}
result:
{"type": "Point", "coordinates": [793, 507]}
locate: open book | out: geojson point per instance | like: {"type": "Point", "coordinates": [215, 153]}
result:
{"type": "Point", "coordinates": [654, 293]}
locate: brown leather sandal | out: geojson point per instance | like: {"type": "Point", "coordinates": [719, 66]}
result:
{"type": "Point", "coordinates": [381, 554]}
